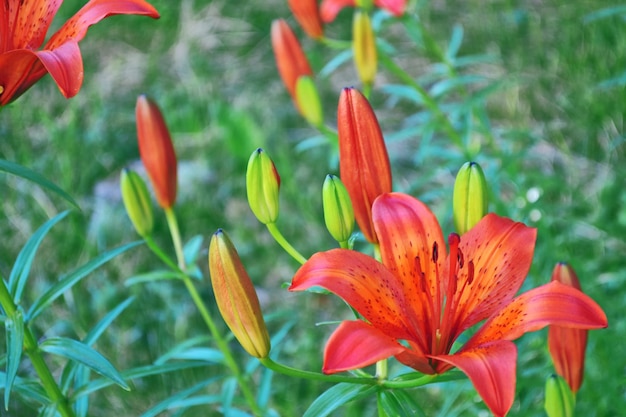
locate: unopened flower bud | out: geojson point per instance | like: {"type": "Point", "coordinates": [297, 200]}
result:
{"type": "Point", "coordinates": [308, 101]}
{"type": "Point", "coordinates": [262, 186]}
{"type": "Point", "coordinates": [364, 47]}
{"type": "Point", "coordinates": [363, 159]}
{"type": "Point", "coordinates": [559, 400]}
{"type": "Point", "coordinates": [156, 151]}
{"type": "Point", "coordinates": [566, 345]}
{"type": "Point", "coordinates": [290, 58]}
{"type": "Point", "coordinates": [137, 202]}
{"type": "Point", "coordinates": [236, 297]}
{"type": "Point", "coordinates": [307, 14]}
{"type": "Point", "coordinates": [338, 212]}
{"type": "Point", "coordinates": [470, 199]}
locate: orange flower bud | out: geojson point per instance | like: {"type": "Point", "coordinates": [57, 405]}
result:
{"type": "Point", "coordinates": [156, 150]}
{"type": "Point", "coordinates": [307, 14]}
{"type": "Point", "coordinates": [364, 47]}
{"type": "Point", "coordinates": [567, 346]}
{"type": "Point", "coordinates": [363, 159]}
{"type": "Point", "coordinates": [235, 296]}
{"type": "Point", "coordinates": [290, 59]}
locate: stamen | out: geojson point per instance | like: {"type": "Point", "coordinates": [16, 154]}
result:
{"type": "Point", "coordinates": [1, 89]}
{"type": "Point", "coordinates": [435, 252]}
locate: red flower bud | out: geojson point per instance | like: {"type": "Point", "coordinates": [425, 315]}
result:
{"type": "Point", "coordinates": [363, 159]}
{"type": "Point", "coordinates": [307, 14]}
{"type": "Point", "coordinates": [567, 346]}
{"type": "Point", "coordinates": [290, 59]}
{"type": "Point", "coordinates": [156, 150]}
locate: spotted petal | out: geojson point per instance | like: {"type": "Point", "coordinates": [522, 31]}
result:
{"type": "Point", "coordinates": [363, 283]}
{"type": "Point", "coordinates": [491, 368]}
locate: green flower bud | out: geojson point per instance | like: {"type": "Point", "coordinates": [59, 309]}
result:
{"type": "Point", "coordinates": [236, 297]}
{"type": "Point", "coordinates": [262, 184]}
{"type": "Point", "coordinates": [560, 400]}
{"type": "Point", "coordinates": [308, 101]}
{"type": "Point", "coordinates": [338, 212]}
{"type": "Point", "coordinates": [137, 202]}
{"type": "Point", "coordinates": [470, 199]}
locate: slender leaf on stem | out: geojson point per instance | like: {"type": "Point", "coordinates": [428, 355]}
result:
{"type": "Point", "coordinates": [190, 350]}
{"type": "Point", "coordinates": [84, 354]}
{"type": "Point", "coordinates": [336, 397]}
{"type": "Point", "coordinates": [72, 368]}
{"type": "Point", "coordinates": [22, 171]}
{"type": "Point", "coordinates": [160, 275]}
{"type": "Point", "coordinates": [398, 403]}
{"type": "Point", "coordinates": [191, 250]}
{"type": "Point", "coordinates": [21, 268]}
{"type": "Point", "coordinates": [141, 372]}
{"type": "Point", "coordinates": [70, 280]}
{"type": "Point", "coordinates": [170, 402]}
{"type": "Point", "coordinates": [14, 326]}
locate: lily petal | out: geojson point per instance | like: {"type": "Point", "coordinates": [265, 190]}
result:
{"type": "Point", "coordinates": [65, 65]}
{"type": "Point", "coordinates": [501, 252]}
{"type": "Point", "coordinates": [491, 368]}
{"type": "Point", "coordinates": [23, 25]}
{"type": "Point", "coordinates": [363, 283]}
{"type": "Point", "coordinates": [16, 69]}
{"type": "Point", "coordinates": [552, 303]}
{"type": "Point", "coordinates": [409, 233]}
{"type": "Point", "coordinates": [356, 344]}
{"type": "Point", "coordinates": [395, 7]}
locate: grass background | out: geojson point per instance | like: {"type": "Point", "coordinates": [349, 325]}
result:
{"type": "Point", "coordinates": [553, 150]}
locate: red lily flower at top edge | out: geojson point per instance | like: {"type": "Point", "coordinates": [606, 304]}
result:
{"type": "Point", "coordinates": [426, 299]}
{"type": "Point", "coordinates": [23, 27]}
{"type": "Point", "coordinates": [329, 9]}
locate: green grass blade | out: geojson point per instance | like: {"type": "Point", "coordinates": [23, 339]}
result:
{"type": "Point", "coordinates": [168, 403]}
{"type": "Point", "coordinates": [86, 355]}
{"type": "Point", "coordinates": [70, 280]}
{"type": "Point", "coordinates": [21, 268]}
{"type": "Point", "coordinates": [14, 326]}
{"type": "Point", "coordinates": [22, 171]}
{"type": "Point", "coordinates": [336, 397]}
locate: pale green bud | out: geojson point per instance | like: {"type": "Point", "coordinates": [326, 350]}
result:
{"type": "Point", "coordinates": [470, 198]}
{"type": "Point", "coordinates": [560, 400]}
{"type": "Point", "coordinates": [137, 202]}
{"type": "Point", "coordinates": [308, 101]}
{"type": "Point", "coordinates": [262, 185]}
{"type": "Point", "coordinates": [338, 212]}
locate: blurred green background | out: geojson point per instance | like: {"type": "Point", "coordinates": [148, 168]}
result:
{"type": "Point", "coordinates": [548, 125]}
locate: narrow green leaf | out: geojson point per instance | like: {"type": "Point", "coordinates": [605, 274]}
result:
{"type": "Point", "coordinates": [70, 280]}
{"type": "Point", "coordinates": [399, 403]}
{"type": "Point", "coordinates": [189, 349]}
{"type": "Point", "coordinates": [168, 403]}
{"type": "Point", "coordinates": [14, 326]}
{"type": "Point", "coordinates": [455, 42]}
{"type": "Point", "coordinates": [191, 251]}
{"type": "Point", "coordinates": [336, 397]}
{"type": "Point", "coordinates": [21, 268]}
{"type": "Point", "coordinates": [160, 275]}
{"type": "Point", "coordinates": [227, 395]}
{"type": "Point", "coordinates": [135, 373]}
{"type": "Point", "coordinates": [80, 352]}
{"type": "Point", "coordinates": [26, 173]}
{"type": "Point", "coordinates": [70, 371]}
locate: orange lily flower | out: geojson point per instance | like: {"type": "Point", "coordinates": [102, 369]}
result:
{"type": "Point", "coordinates": [426, 299]}
{"type": "Point", "coordinates": [290, 59]}
{"type": "Point", "coordinates": [23, 27]}
{"type": "Point", "coordinates": [363, 160]}
{"type": "Point", "coordinates": [567, 346]}
{"type": "Point", "coordinates": [329, 9]}
{"type": "Point", "coordinates": [307, 14]}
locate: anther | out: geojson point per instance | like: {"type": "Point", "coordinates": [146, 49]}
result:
{"type": "Point", "coordinates": [435, 252]}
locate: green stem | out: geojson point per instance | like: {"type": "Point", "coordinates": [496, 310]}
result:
{"type": "Point", "coordinates": [284, 243]}
{"type": "Point", "coordinates": [316, 376]}
{"type": "Point", "coordinates": [429, 102]}
{"type": "Point", "coordinates": [32, 350]}
{"type": "Point", "coordinates": [175, 232]}
{"type": "Point", "coordinates": [221, 343]}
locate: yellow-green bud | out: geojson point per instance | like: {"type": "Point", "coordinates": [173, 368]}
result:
{"type": "Point", "coordinates": [262, 184]}
{"type": "Point", "coordinates": [560, 400]}
{"type": "Point", "coordinates": [236, 297]}
{"type": "Point", "coordinates": [364, 47]}
{"type": "Point", "coordinates": [470, 199]}
{"type": "Point", "coordinates": [365, 4]}
{"type": "Point", "coordinates": [137, 202]}
{"type": "Point", "coordinates": [338, 212]}
{"type": "Point", "coordinates": [308, 101]}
